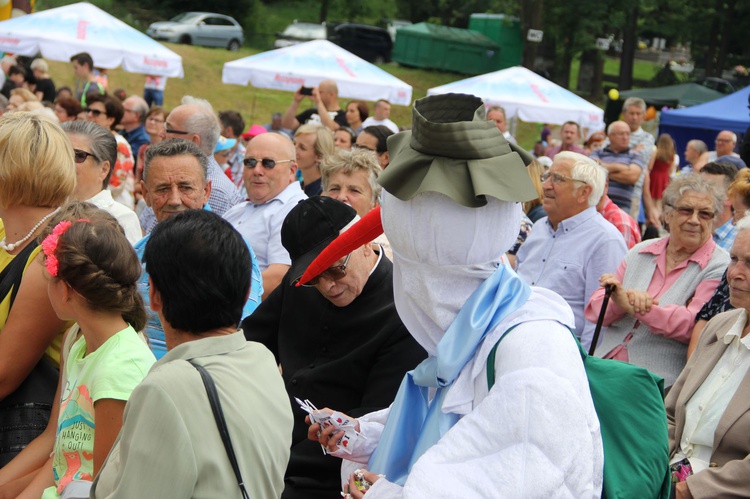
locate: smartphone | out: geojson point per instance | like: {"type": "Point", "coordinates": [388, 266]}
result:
{"type": "Point", "coordinates": [306, 90]}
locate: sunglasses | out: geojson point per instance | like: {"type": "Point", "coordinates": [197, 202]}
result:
{"type": "Point", "coordinates": [267, 163]}
{"type": "Point", "coordinates": [173, 131]}
{"type": "Point", "coordinates": [331, 273]}
{"type": "Point", "coordinates": [94, 112]}
{"type": "Point", "coordinates": [80, 156]}
{"type": "Point", "coordinates": [687, 212]}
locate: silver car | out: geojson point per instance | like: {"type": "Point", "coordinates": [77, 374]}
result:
{"type": "Point", "coordinates": [299, 33]}
{"type": "Point", "coordinates": [199, 28]}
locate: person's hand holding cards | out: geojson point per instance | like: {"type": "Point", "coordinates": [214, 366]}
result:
{"type": "Point", "coordinates": [331, 429]}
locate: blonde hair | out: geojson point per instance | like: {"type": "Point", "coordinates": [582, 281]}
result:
{"type": "Point", "coordinates": [36, 161]}
{"type": "Point", "coordinates": [25, 94]}
{"type": "Point", "coordinates": [324, 145]}
{"type": "Point", "coordinates": [535, 170]}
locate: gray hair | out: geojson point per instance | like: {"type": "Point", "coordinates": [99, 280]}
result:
{"type": "Point", "coordinates": [496, 108]}
{"type": "Point", "coordinates": [101, 141]}
{"type": "Point", "coordinates": [699, 146]}
{"type": "Point", "coordinates": [634, 102]}
{"type": "Point", "coordinates": [586, 170]}
{"type": "Point", "coordinates": [203, 122]}
{"type": "Point", "coordinates": [175, 147]}
{"type": "Point", "coordinates": [141, 107]}
{"type": "Point", "coordinates": [347, 162]}
{"type": "Point", "coordinates": [10, 60]}
{"type": "Point", "coordinates": [734, 135]}
{"type": "Point", "coordinates": [692, 183]}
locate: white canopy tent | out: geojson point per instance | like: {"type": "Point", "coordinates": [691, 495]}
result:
{"type": "Point", "coordinates": [528, 96]}
{"type": "Point", "coordinates": [65, 31]}
{"type": "Point", "coordinates": [307, 64]}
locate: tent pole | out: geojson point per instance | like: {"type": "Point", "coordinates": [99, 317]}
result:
{"type": "Point", "coordinates": [252, 109]}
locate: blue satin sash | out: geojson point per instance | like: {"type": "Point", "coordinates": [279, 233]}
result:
{"type": "Point", "coordinates": [414, 424]}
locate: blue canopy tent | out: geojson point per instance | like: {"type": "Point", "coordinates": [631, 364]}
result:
{"type": "Point", "coordinates": [705, 121]}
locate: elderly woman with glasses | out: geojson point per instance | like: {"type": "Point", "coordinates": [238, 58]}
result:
{"type": "Point", "coordinates": [95, 151]}
{"type": "Point", "coordinates": [661, 284]}
{"type": "Point", "coordinates": [107, 111]}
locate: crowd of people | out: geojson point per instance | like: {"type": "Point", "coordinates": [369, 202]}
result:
{"type": "Point", "coordinates": [179, 291]}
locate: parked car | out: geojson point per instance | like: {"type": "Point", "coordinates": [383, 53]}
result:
{"type": "Point", "coordinates": [368, 42]}
{"type": "Point", "coordinates": [298, 33]}
{"type": "Point", "coordinates": [199, 28]}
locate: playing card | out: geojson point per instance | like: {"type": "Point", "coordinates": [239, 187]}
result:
{"type": "Point", "coordinates": [326, 419]}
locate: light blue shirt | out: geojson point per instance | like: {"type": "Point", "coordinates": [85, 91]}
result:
{"type": "Point", "coordinates": [260, 224]}
{"type": "Point", "coordinates": [570, 260]}
{"type": "Point", "coordinates": [724, 235]}
{"type": "Point", "coordinates": [155, 331]}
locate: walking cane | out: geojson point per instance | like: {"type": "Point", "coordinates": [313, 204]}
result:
{"type": "Point", "coordinates": [607, 293]}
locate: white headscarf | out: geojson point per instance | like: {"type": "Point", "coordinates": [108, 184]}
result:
{"type": "Point", "coordinates": [442, 252]}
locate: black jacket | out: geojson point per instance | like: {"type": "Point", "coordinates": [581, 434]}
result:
{"type": "Point", "coordinates": [351, 359]}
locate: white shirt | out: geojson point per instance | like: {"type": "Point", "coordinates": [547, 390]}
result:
{"type": "Point", "coordinates": [386, 123]}
{"type": "Point", "coordinates": [706, 407]}
{"type": "Point", "coordinates": [125, 216]}
{"type": "Point", "coordinates": [260, 224]}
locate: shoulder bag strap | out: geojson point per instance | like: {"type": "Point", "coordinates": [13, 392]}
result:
{"type": "Point", "coordinates": [491, 357]}
{"type": "Point", "coordinates": [10, 278]}
{"type": "Point", "coordinates": [213, 399]}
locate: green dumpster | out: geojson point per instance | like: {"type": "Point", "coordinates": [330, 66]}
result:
{"type": "Point", "coordinates": [503, 30]}
{"type": "Point", "coordinates": [426, 45]}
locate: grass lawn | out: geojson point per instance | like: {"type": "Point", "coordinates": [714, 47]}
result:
{"type": "Point", "coordinates": [203, 68]}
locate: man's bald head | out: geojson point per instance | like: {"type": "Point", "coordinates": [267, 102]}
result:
{"type": "Point", "coordinates": [329, 94]}
{"type": "Point", "coordinates": [261, 182]}
{"type": "Point", "coordinates": [619, 135]}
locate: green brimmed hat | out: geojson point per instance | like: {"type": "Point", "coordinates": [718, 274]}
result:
{"type": "Point", "coordinates": [452, 149]}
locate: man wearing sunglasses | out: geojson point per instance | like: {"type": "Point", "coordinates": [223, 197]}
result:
{"type": "Point", "coordinates": [272, 191]}
{"type": "Point", "coordinates": [339, 340]}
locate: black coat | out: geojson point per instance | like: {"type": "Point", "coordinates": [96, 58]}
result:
{"type": "Point", "coordinates": [351, 359]}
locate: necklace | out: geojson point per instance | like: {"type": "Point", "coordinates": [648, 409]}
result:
{"type": "Point", "coordinates": [12, 246]}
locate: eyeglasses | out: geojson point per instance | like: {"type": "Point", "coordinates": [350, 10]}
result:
{"type": "Point", "coordinates": [154, 120]}
{"type": "Point", "coordinates": [331, 273]}
{"type": "Point", "coordinates": [80, 156]}
{"type": "Point", "coordinates": [94, 112]}
{"type": "Point", "coordinates": [357, 146]}
{"type": "Point", "coordinates": [556, 178]}
{"type": "Point", "coordinates": [687, 211]}
{"type": "Point", "coordinates": [174, 132]}
{"type": "Point", "coordinates": [723, 141]}
{"type": "Point", "coordinates": [267, 163]}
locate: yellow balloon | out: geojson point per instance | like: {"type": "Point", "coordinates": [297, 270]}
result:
{"type": "Point", "coordinates": [614, 94]}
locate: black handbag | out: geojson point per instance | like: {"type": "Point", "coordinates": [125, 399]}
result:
{"type": "Point", "coordinates": [221, 424]}
{"type": "Point", "coordinates": [24, 414]}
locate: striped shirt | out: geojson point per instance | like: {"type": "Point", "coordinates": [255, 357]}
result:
{"type": "Point", "coordinates": [621, 194]}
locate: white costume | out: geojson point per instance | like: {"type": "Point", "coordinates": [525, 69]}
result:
{"type": "Point", "coordinates": [535, 434]}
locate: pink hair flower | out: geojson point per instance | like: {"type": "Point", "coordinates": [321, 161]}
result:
{"type": "Point", "coordinates": [49, 246]}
